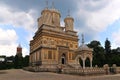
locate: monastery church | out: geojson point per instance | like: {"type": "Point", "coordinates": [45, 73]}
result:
{"type": "Point", "coordinates": [56, 46]}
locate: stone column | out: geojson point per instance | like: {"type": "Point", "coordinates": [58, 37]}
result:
{"type": "Point", "coordinates": [30, 60]}
{"type": "Point", "coordinates": [83, 63]}
{"type": "Point", "coordinates": [78, 61]}
{"type": "Point", "coordinates": [114, 68]}
{"type": "Point", "coordinates": [34, 57]}
{"type": "Point", "coordinates": [106, 68]}
{"type": "Point", "coordinates": [91, 63]}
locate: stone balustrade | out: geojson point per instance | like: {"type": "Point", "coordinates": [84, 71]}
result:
{"type": "Point", "coordinates": [117, 69]}
{"type": "Point", "coordinates": [86, 71]}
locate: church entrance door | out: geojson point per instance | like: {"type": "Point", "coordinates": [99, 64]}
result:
{"type": "Point", "coordinates": [63, 61]}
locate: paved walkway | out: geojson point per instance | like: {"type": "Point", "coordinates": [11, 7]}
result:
{"type": "Point", "coordinates": [19, 74]}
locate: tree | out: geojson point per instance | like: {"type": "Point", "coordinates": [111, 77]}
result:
{"type": "Point", "coordinates": [18, 61]}
{"type": "Point", "coordinates": [98, 53]}
{"type": "Point", "coordinates": [9, 62]}
{"type": "Point", "coordinates": [26, 61]}
{"type": "Point", "coordinates": [107, 46]}
{"type": "Point", "coordinates": [99, 56]}
{"type": "Point", "coordinates": [3, 62]}
{"type": "Point", "coordinates": [108, 52]}
{"type": "Point", "coordinates": [94, 44]}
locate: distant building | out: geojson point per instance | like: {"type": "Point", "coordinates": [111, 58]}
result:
{"type": "Point", "coordinates": [19, 51]}
{"type": "Point", "coordinates": [10, 59]}
{"type": "Point", "coordinates": [2, 58]}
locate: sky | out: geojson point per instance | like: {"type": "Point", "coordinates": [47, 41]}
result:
{"type": "Point", "coordinates": [96, 19]}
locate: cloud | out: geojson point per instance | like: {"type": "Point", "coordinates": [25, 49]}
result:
{"type": "Point", "coordinates": [100, 20]}
{"type": "Point", "coordinates": [17, 18]}
{"type": "Point", "coordinates": [8, 43]}
{"type": "Point", "coordinates": [25, 51]}
{"type": "Point", "coordinates": [116, 39]}
{"type": "Point", "coordinates": [8, 50]}
{"type": "Point", "coordinates": [8, 40]}
{"type": "Point", "coordinates": [7, 37]}
{"type": "Point", "coordinates": [92, 5]}
{"type": "Point", "coordinates": [96, 15]}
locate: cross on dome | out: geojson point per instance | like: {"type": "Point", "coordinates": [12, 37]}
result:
{"type": "Point", "coordinates": [82, 39]}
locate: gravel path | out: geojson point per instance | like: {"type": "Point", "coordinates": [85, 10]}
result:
{"type": "Point", "coordinates": [19, 74]}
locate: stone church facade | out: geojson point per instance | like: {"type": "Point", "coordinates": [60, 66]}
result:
{"type": "Point", "coordinates": [54, 45]}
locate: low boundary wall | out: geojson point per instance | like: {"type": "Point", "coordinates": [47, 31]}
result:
{"type": "Point", "coordinates": [80, 71]}
{"type": "Point", "coordinates": [87, 71]}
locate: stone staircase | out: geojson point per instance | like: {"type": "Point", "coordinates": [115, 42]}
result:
{"type": "Point", "coordinates": [64, 66]}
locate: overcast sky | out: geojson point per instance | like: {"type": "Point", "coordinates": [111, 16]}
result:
{"type": "Point", "coordinates": [96, 19]}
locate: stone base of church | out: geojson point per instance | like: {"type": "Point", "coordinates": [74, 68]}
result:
{"type": "Point", "coordinates": [67, 69]}
{"type": "Point", "coordinates": [43, 68]}
{"type": "Point", "coordinates": [52, 67]}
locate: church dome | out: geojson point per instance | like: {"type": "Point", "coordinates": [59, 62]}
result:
{"type": "Point", "coordinates": [68, 16]}
{"type": "Point", "coordinates": [83, 47]}
{"type": "Point", "coordinates": [55, 10]}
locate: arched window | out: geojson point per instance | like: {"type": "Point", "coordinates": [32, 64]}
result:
{"type": "Point", "coordinates": [49, 54]}
{"type": "Point", "coordinates": [54, 55]}
{"type": "Point", "coordinates": [45, 55]}
{"type": "Point", "coordinates": [70, 56]}
{"type": "Point", "coordinates": [76, 46]}
{"type": "Point", "coordinates": [71, 46]}
{"type": "Point", "coordinates": [73, 55]}
{"type": "Point", "coordinates": [45, 42]}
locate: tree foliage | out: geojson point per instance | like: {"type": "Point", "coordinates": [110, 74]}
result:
{"type": "Point", "coordinates": [18, 62]}
{"type": "Point", "coordinates": [26, 61]}
{"type": "Point", "coordinates": [107, 47]}
{"type": "Point", "coordinates": [98, 53]}
{"type": "Point", "coordinates": [105, 55]}
{"type": "Point", "coordinates": [14, 62]}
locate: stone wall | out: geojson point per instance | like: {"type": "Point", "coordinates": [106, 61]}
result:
{"type": "Point", "coordinates": [46, 68]}
{"type": "Point", "coordinates": [87, 71]}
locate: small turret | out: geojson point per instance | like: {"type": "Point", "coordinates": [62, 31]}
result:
{"type": "Point", "coordinates": [49, 16]}
{"type": "Point", "coordinates": [69, 23]}
{"type": "Point", "coordinates": [55, 16]}
{"type": "Point", "coordinates": [46, 16]}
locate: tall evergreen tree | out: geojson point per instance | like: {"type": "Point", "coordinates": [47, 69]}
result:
{"type": "Point", "coordinates": [107, 46]}
{"type": "Point", "coordinates": [18, 62]}
{"type": "Point", "coordinates": [26, 61]}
